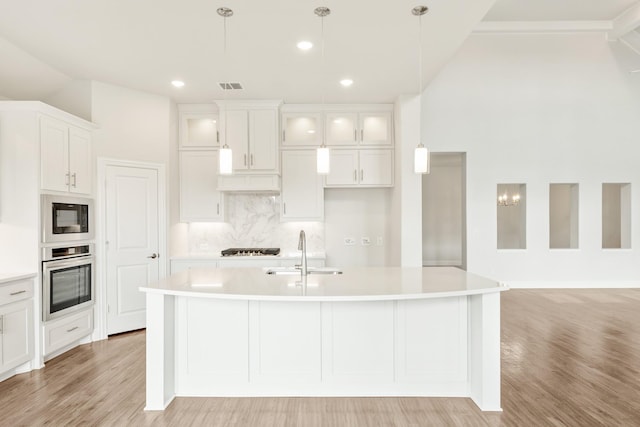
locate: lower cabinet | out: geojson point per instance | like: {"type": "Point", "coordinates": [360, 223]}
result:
{"type": "Point", "coordinates": [360, 168]}
{"type": "Point", "coordinates": [178, 265]}
{"type": "Point", "coordinates": [60, 333]}
{"type": "Point", "coordinates": [16, 334]}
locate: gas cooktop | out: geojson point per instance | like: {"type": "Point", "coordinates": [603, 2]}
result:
{"type": "Point", "coordinates": [250, 251]}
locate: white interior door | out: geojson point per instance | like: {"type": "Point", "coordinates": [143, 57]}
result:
{"type": "Point", "coordinates": [132, 244]}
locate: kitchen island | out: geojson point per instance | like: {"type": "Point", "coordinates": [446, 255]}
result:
{"type": "Point", "coordinates": [388, 331]}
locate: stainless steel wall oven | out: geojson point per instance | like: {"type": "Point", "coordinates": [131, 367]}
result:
{"type": "Point", "coordinates": [67, 280]}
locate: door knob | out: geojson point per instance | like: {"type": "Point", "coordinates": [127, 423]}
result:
{"type": "Point", "coordinates": [153, 256]}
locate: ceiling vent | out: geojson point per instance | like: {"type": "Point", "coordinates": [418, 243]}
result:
{"type": "Point", "coordinates": [230, 86]}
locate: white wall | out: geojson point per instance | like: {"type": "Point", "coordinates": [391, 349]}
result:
{"type": "Point", "coordinates": [537, 109]}
{"type": "Point", "coordinates": [357, 213]}
{"type": "Point", "coordinates": [19, 198]}
{"type": "Point", "coordinates": [74, 98]}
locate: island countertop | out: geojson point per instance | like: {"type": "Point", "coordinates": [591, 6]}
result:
{"type": "Point", "coordinates": [354, 284]}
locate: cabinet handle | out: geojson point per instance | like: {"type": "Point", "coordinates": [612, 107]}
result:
{"type": "Point", "coordinates": [361, 174]}
{"type": "Point", "coordinates": [17, 292]}
{"type": "Point", "coordinates": [66, 179]}
{"type": "Point", "coordinates": [1, 324]}
{"type": "Point", "coordinates": [284, 136]}
{"type": "Point", "coordinates": [72, 329]}
{"type": "Point", "coordinates": [217, 136]}
{"type": "Point", "coordinates": [218, 208]}
{"type": "Point", "coordinates": [355, 175]}
{"type": "Point", "coordinates": [355, 135]}
{"type": "Point", "coordinates": [74, 180]}
{"type": "Point", "coordinates": [251, 157]}
{"type": "Point", "coordinates": [361, 135]}
{"type": "Point", "coordinates": [285, 208]}
{"type": "Point", "coordinates": [245, 160]}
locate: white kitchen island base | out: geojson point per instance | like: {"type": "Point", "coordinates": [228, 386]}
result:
{"type": "Point", "coordinates": [402, 339]}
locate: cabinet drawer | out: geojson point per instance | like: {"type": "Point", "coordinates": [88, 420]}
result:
{"type": "Point", "coordinates": [16, 291]}
{"type": "Point", "coordinates": [65, 331]}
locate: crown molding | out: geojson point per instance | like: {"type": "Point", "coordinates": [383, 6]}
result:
{"type": "Point", "coordinates": [543, 26]}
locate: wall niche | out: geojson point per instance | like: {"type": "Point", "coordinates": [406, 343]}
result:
{"type": "Point", "coordinates": [563, 216]}
{"type": "Point", "coordinates": [616, 216]}
{"type": "Point", "coordinates": [512, 216]}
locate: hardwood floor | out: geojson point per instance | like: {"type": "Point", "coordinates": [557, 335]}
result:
{"type": "Point", "coordinates": [569, 358]}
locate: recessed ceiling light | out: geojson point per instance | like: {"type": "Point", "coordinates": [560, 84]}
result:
{"type": "Point", "coordinates": [304, 45]}
{"type": "Point", "coordinates": [177, 83]}
{"type": "Point", "coordinates": [311, 131]}
{"type": "Point", "coordinates": [346, 82]}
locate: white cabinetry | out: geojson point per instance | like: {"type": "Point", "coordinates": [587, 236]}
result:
{"type": "Point", "coordinates": [302, 191]}
{"type": "Point", "coordinates": [360, 168]}
{"type": "Point", "coordinates": [252, 134]}
{"type": "Point", "coordinates": [62, 333]}
{"type": "Point", "coordinates": [16, 324]}
{"type": "Point", "coordinates": [200, 199]}
{"type": "Point", "coordinates": [65, 157]}
{"type": "Point", "coordinates": [199, 130]}
{"type": "Point", "coordinates": [362, 128]}
{"type": "Point", "coordinates": [302, 129]}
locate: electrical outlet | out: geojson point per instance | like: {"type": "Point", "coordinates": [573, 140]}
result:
{"type": "Point", "coordinates": [349, 241]}
{"type": "Point", "coordinates": [379, 241]}
{"type": "Point", "coordinates": [365, 241]}
{"type": "Point", "coordinates": [203, 246]}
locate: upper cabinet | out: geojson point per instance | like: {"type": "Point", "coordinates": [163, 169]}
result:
{"type": "Point", "coordinates": [301, 129]}
{"type": "Point", "coordinates": [302, 191]}
{"type": "Point", "coordinates": [251, 131]}
{"type": "Point", "coordinates": [360, 168]}
{"type": "Point", "coordinates": [200, 199]}
{"type": "Point", "coordinates": [348, 128]}
{"type": "Point", "coordinates": [65, 157]}
{"type": "Point", "coordinates": [199, 126]}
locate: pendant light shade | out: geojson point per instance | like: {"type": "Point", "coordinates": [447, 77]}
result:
{"type": "Point", "coordinates": [421, 154]}
{"type": "Point", "coordinates": [323, 166]}
{"type": "Point", "coordinates": [226, 160]}
{"type": "Point", "coordinates": [421, 159]}
{"type": "Point", "coordinates": [225, 166]}
{"type": "Point", "coordinates": [322, 157]}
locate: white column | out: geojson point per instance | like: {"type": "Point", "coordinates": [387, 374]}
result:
{"type": "Point", "coordinates": [484, 356]}
{"type": "Point", "coordinates": [160, 351]}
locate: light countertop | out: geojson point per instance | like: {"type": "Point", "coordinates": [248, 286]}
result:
{"type": "Point", "coordinates": [10, 277]}
{"type": "Point", "coordinates": [355, 284]}
{"type": "Point", "coordinates": [216, 256]}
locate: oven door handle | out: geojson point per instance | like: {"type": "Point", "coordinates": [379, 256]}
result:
{"type": "Point", "coordinates": [68, 262]}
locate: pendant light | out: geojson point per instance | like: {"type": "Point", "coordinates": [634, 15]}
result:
{"type": "Point", "coordinates": [421, 154]}
{"type": "Point", "coordinates": [322, 157]}
{"type": "Point", "coordinates": [225, 154]}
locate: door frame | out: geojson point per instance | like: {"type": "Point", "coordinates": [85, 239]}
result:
{"type": "Point", "coordinates": [100, 309]}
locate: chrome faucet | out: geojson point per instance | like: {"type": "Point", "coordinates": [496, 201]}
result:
{"type": "Point", "coordinates": [302, 246]}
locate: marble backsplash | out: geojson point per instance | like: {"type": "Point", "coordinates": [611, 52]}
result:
{"type": "Point", "coordinates": [253, 221]}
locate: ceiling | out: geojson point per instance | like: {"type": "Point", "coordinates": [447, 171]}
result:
{"type": "Point", "coordinates": [144, 44]}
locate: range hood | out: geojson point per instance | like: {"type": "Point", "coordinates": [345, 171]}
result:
{"type": "Point", "coordinates": [267, 183]}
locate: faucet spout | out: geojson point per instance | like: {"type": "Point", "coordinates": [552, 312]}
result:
{"type": "Point", "coordinates": [302, 246]}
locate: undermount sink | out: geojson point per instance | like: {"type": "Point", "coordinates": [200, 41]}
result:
{"type": "Point", "coordinates": [293, 270]}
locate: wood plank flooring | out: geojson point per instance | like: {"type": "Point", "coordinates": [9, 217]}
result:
{"type": "Point", "coordinates": [569, 358]}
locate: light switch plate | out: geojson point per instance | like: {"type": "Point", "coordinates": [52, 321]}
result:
{"type": "Point", "coordinates": [349, 241]}
{"type": "Point", "coordinates": [365, 241]}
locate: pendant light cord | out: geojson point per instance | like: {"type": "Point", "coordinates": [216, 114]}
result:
{"type": "Point", "coordinates": [322, 73]}
{"type": "Point", "coordinates": [224, 84]}
{"type": "Point", "coordinates": [420, 55]}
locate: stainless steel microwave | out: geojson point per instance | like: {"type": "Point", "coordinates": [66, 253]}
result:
{"type": "Point", "coordinates": [66, 219]}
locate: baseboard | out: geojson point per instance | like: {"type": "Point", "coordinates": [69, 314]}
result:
{"type": "Point", "coordinates": [577, 284]}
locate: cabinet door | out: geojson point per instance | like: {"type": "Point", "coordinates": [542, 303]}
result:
{"type": "Point", "coordinates": [80, 161]}
{"type": "Point", "coordinates": [236, 136]}
{"type": "Point", "coordinates": [16, 335]}
{"type": "Point", "coordinates": [199, 130]}
{"type": "Point", "coordinates": [302, 191]}
{"type": "Point", "coordinates": [375, 128]}
{"type": "Point", "coordinates": [200, 199]}
{"type": "Point", "coordinates": [376, 168]}
{"type": "Point", "coordinates": [263, 140]}
{"type": "Point", "coordinates": [300, 129]}
{"type": "Point", "coordinates": [54, 155]}
{"type": "Point", "coordinates": [341, 128]}
{"type": "Point", "coordinates": [344, 168]}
